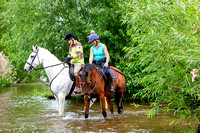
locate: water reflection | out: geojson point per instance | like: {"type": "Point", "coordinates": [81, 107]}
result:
{"type": "Point", "coordinates": [21, 111]}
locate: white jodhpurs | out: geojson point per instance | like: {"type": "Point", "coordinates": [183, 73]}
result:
{"type": "Point", "coordinates": [77, 67]}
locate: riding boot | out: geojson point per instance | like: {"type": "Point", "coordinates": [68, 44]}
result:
{"type": "Point", "coordinates": [78, 89]}
{"type": "Point", "coordinates": [111, 86]}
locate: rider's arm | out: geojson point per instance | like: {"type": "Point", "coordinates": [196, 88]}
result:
{"type": "Point", "coordinates": [91, 56]}
{"type": "Point", "coordinates": [107, 55]}
{"type": "Point", "coordinates": [77, 52]}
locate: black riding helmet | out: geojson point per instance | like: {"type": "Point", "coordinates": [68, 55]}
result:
{"type": "Point", "coordinates": [69, 36]}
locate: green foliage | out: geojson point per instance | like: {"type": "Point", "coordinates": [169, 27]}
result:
{"type": "Point", "coordinates": [128, 65]}
{"type": "Point", "coordinates": [164, 41]}
{"type": "Point", "coordinates": [156, 45]}
{"type": "Point", "coordinates": [46, 22]}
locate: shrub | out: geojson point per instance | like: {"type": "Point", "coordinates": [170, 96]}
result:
{"type": "Point", "coordinates": [7, 73]}
{"type": "Point", "coordinates": [164, 41]}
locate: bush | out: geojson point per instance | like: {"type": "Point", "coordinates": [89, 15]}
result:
{"type": "Point", "coordinates": [7, 73]}
{"type": "Point", "coordinates": [164, 42]}
{"type": "Point", "coordinates": [24, 24]}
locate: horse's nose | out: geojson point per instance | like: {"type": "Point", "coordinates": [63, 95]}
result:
{"type": "Point", "coordinates": [25, 70]}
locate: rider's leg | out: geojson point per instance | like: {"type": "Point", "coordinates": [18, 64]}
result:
{"type": "Point", "coordinates": [110, 80]}
{"type": "Point", "coordinates": [77, 68]}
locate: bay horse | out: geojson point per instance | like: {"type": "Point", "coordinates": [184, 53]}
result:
{"type": "Point", "coordinates": [57, 72]}
{"type": "Point", "coordinates": [93, 84]}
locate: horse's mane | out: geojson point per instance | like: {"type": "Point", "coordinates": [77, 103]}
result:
{"type": "Point", "coordinates": [86, 69]}
{"type": "Point", "coordinates": [47, 52]}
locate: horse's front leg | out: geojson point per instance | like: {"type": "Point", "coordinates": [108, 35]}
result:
{"type": "Point", "coordinates": [103, 105]}
{"type": "Point", "coordinates": [61, 103]}
{"type": "Point", "coordinates": [87, 106]}
{"type": "Point", "coordinates": [92, 101]}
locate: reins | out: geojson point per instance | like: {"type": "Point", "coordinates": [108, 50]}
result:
{"type": "Point", "coordinates": [58, 73]}
{"type": "Point", "coordinates": [49, 66]}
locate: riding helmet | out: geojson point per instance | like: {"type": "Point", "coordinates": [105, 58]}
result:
{"type": "Point", "coordinates": [69, 36]}
{"type": "Point", "coordinates": [93, 36]}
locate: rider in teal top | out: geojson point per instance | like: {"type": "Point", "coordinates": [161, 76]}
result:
{"type": "Point", "coordinates": [98, 52]}
{"type": "Point", "coordinates": [99, 55]}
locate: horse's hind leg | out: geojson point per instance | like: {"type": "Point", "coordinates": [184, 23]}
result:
{"type": "Point", "coordinates": [108, 98]}
{"type": "Point", "coordinates": [118, 100]}
{"type": "Point", "coordinates": [103, 105]}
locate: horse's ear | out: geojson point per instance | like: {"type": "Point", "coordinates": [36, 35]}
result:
{"type": "Point", "coordinates": [33, 48]}
{"type": "Point", "coordinates": [79, 74]}
{"type": "Point", "coordinates": [36, 47]}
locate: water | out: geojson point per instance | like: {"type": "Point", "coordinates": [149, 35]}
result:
{"type": "Point", "coordinates": [22, 111]}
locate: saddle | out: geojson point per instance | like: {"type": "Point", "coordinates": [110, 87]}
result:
{"type": "Point", "coordinates": [113, 75]}
{"type": "Point", "coordinates": [71, 71]}
{"type": "Point", "coordinates": [72, 77]}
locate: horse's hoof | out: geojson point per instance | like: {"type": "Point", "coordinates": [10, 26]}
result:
{"type": "Point", "coordinates": [86, 116]}
{"type": "Point", "coordinates": [120, 111]}
{"type": "Point", "coordinates": [104, 114]}
{"type": "Point", "coordinates": [62, 114]}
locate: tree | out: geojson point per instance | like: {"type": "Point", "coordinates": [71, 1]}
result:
{"type": "Point", "coordinates": [46, 22]}
{"type": "Point", "coordinates": [165, 47]}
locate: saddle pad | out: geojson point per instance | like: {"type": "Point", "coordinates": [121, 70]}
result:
{"type": "Point", "coordinates": [114, 76]}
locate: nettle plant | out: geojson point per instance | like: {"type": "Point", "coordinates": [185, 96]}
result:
{"type": "Point", "coordinates": [7, 73]}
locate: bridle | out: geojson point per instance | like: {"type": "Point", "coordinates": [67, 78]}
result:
{"type": "Point", "coordinates": [92, 87]}
{"type": "Point", "coordinates": [31, 64]}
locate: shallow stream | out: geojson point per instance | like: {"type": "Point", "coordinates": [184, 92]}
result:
{"type": "Point", "coordinates": [23, 111]}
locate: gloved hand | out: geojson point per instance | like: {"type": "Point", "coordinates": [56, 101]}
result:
{"type": "Point", "coordinates": [67, 60]}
